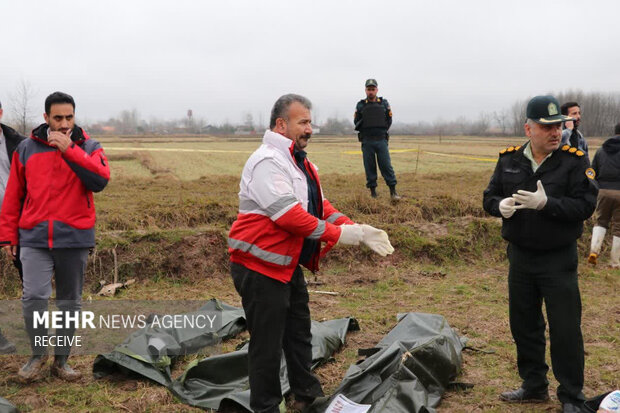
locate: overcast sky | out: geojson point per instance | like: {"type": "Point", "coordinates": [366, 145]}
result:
{"type": "Point", "coordinates": [432, 59]}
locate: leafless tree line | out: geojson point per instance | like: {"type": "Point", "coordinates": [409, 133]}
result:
{"type": "Point", "coordinates": [600, 112]}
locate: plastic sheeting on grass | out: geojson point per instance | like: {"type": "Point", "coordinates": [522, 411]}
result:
{"type": "Point", "coordinates": [223, 380]}
{"type": "Point", "coordinates": [133, 356]}
{"type": "Point", "coordinates": [215, 380]}
{"type": "Point", "coordinates": [408, 370]}
{"type": "Point", "coordinates": [6, 406]}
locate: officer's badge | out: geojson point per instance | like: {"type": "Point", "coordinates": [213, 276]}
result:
{"type": "Point", "coordinates": [590, 173]}
{"type": "Point", "coordinates": [552, 109]}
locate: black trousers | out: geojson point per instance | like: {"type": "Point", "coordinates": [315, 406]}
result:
{"type": "Point", "coordinates": [278, 318]}
{"type": "Point", "coordinates": [549, 276]}
{"type": "Point", "coordinates": [376, 151]}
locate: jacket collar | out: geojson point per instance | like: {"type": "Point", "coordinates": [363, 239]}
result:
{"type": "Point", "coordinates": [41, 132]}
{"type": "Point", "coordinates": [549, 164]}
{"type": "Point", "coordinates": [280, 142]}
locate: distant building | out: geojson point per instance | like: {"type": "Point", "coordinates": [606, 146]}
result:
{"type": "Point", "coordinates": [244, 131]}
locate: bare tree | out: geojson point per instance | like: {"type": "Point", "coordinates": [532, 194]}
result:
{"type": "Point", "coordinates": [502, 120]}
{"type": "Point", "coordinates": [517, 115]}
{"type": "Point", "coordinates": [21, 106]}
{"type": "Point", "coordinates": [439, 128]}
{"type": "Point", "coordinates": [129, 121]}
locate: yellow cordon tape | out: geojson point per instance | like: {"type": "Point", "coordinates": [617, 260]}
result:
{"type": "Point", "coordinates": [172, 150]}
{"type": "Point", "coordinates": [448, 155]}
{"type": "Point", "coordinates": [473, 158]}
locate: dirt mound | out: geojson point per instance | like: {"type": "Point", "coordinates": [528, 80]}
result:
{"type": "Point", "coordinates": [161, 254]}
{"type": "Point", "coordinates": [198, 256]}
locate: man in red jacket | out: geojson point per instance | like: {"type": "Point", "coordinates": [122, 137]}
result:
{"type": "Point", "coordinates": [48, 211]}
{"type": "Point", "coordinates": [283, 218]}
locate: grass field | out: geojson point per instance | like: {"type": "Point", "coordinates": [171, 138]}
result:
{"type": "Point", "coordinates": [170, 203]}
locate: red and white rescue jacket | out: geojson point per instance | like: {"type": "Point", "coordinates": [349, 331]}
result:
{"type": "Point", "coordinates": [273, 221]}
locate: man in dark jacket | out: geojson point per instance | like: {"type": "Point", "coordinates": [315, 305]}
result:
{"type": "Point", "coordinates": [606, 166]}
{"type": "Point", "coordinates": [373, 118]}
{"type": "Point", "coordinates": [48, 211]}
{"type": "Point", "coordinates": [9, 139]}
{"type": "Point", "coordinates": [544, 192]}
{"type": "Point", "coordinates": [571, 135]}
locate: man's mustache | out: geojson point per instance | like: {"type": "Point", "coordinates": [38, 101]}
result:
{"type": "Point", "coordinates": [306, 136]}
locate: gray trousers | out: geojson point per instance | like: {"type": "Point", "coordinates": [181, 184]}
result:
{"type": "Point", "coordinates": [68, 266]}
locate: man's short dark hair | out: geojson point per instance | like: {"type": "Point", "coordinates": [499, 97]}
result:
{"type": "Point", "coordinates": [617, 129]}
{"type": "Point", "coordinates": [565, 107]}
{"type": "Point", "coordinates": [280, 108]}
{"type": "Point", "coordinates": [58, 97]}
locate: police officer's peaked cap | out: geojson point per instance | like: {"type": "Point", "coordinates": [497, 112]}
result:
{"type": "Point", "coordinates": [545, 110]}
{"type": "Point", "coordinates": [371, 82]}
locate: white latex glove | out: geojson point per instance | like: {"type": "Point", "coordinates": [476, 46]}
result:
{"type": "Point", "coordinates": [531, 200]}
{"type": "Point", "coordinates": [507, 207]}
{"type": "Point", "coordinates": [377, 240]}
{"type": "Point", "coordinates": [350, 235]}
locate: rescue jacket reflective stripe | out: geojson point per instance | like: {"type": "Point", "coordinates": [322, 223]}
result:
{"type": "Point", "coordinates": [260, 253]}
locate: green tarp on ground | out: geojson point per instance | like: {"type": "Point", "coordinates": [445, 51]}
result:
{"type": "Point", "coordinates": [409, 371]}
{"type": "Point", "coordinates": [7, 407]}
{"type": "Point", "coordinates": [223, 380]}
{"type": "Point", "coordinates": [214, 380]}
{"type": "Point", "coordinates": [133, 356]}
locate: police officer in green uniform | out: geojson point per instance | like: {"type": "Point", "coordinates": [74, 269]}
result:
{"type": "Point", "coordinates": [373, 118]}
{"type": "Point", "coordinates": [544, 191]}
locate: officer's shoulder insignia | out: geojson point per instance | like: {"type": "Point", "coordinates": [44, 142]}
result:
{"type": "Point", "coordinates": [378, 100]}
{"type": "Point", "coordinates": [590, 173]}
{"type": "Point", "coordinates": [509, 150]}
{"type": "Point", "coordinates": [573, 150]}
{"type": "Point", "coordinates": [390, 113]}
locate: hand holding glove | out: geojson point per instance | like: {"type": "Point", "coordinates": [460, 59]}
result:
{"type": "Point", "coordinates": [350, 235]}
{"type": "Point", "coordinates": [377, 240]}
{"type": "Point", "coordinates": [531, 200]}
{"type": "Point", "coordinates": [507, 207]}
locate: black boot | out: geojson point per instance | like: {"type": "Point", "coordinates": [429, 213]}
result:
{"type": "Point", "coordinates": [6, 347]}
{"type": "Point", "coordinates": [62, 370]}
{"type": "Point", "coordinates": [393, 194]}
{"type": "Point", "coordinates": [373, 192]}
